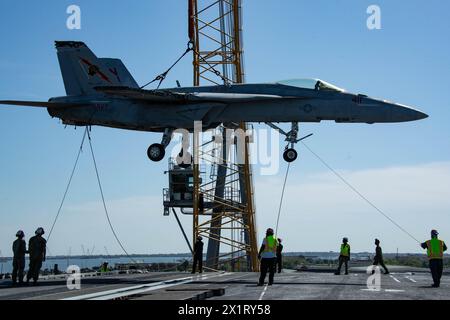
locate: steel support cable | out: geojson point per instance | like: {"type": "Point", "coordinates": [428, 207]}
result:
{"type": "Point", "coordinates": [68, 184]}
{"type": "Point", "coordinates": [211, 67]}
{"type": "Point", "coordinates": [163, 75]}
{"type": "Point", "coordinates": [282, 196]}
{"type": "Point", "coordinates": [104, 202]}
{"type": "Point", "coordinates": [359, 193]}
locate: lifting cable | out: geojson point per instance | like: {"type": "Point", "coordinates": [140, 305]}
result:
{"type": "Point", "coordinates": [68, 184]}
{"type": "Point", "coordinates": [348, 185]}
{"type": "Point", "coordinates": [162, 76]}
{"type": "Point", "coordinates": [103, 199]}
{"type": "Point", "coordinates": [216, 72]}
{"type": "Point", "coordinates": [86, 133]}
{"type": "Point", "coordinates": [190, 47]}
{"type": "Point", "coordinates": [282, 196]}
{"type": "Point", "coordinates": [359, 193]}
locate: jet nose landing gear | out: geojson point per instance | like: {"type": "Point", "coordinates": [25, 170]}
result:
{"type": "Point", "coordinates": [289, 154]}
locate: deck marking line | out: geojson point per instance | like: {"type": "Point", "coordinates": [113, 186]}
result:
{"type": "Point", "coordinates": [115, 293]}
{"type": "Point", "coordinates": [411, 279]}
{"type": "Point", "coordinates": [385, 290]}
{"type": "Point", "coordinates": [394, 290]}
{"type": "Point", "coordinates": [395, 278]}
{"type": "Point", "coordinates": [164, 284]}
{"type": "Point", "coordinates": [263, 293]}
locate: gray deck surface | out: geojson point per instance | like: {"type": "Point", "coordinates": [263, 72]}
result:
{"type": "Point", "coordinates": [289, 285]}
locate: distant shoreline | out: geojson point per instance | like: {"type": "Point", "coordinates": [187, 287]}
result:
{"type": "Point", "coordinates": [188, 255]}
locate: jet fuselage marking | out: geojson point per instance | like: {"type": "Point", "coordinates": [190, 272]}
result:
{"type": "Point", "coordinates": [114, 72]}
{"type": "Point", "coordinates": [93, 70]}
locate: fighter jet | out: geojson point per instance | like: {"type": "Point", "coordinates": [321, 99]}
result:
{"type": "Point", "coordinates": [102, 92]}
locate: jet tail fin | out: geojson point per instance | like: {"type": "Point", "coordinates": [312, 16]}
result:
{"type": "Point", "coordinates": [123, 76]}
{"type": "Point", "coordinates": [82, 71]}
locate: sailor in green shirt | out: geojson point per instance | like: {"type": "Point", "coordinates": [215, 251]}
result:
{"type": "Point", "coordinates": [435, 251]}
{"type": "Point", "coordinates": [268, 256]}
{"type": "Point", "coordinates": [344, 256]}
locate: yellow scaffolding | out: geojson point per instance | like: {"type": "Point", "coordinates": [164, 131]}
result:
{"type": "Point", "coordinates": [215, 30]}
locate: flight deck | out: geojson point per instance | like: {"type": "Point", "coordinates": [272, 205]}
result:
{"type": "Point", "coordinates": [401, 284]}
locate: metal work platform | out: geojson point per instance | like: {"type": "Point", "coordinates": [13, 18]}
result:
{"type": "Point", "coordinates": [402, 284]}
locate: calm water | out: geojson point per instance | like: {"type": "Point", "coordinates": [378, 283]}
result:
{"type": "Point", "coordinates": [6, 267]}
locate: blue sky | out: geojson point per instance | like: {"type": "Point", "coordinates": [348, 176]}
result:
{"type": "Point", "coordinates": [404, 165]}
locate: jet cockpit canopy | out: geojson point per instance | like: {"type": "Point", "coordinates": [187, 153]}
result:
{"type": "Point", "coordinates": [315, 84]}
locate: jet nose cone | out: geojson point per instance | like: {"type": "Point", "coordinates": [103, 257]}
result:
{"type": "Point", "coordinates": [420, 115]}
{"type": "Point", "coordinates": [402, 113]}
{"type": "Point", "coordinates": [413, 114]}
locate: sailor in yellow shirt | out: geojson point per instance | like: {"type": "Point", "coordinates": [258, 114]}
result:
{"type": "Point", "coordinates": [344, 256]}
{"type": "Point", "coordinates": [435, 251]}
{"type": "Point", "coordinates": [268, 256]}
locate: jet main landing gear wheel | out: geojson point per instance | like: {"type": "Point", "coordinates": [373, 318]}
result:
{"type": "Point", "coordinates": [156, 152]}
{"type": "Point", "coordinates": [290, 155]}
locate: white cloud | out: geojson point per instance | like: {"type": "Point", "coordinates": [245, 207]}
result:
{"type": "Point", "coordinates": [319, 209]}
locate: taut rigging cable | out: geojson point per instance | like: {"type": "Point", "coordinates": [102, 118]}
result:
{"type": "Point", "coordinates": [68, 184]}
{"type": "Point", "coordinates": [282, 196]}
{"type": "Point", "coordinates": [103, 200]}
{"type": "Point", "coordinates": [190, 47]}
{"type": "Point", "coordinates": [161, 77]}
{"type": "Point", "coordinates": [348, 185]}
{"type": "Point", "coordinates": [86, 133]}
{"type": "Point", "coordinates": [358, 193]}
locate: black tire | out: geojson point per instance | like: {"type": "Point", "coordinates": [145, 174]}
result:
{"type": "Point", "coordinates": [290, 155]}
{"type": "Point", "coordinates": [156, 152]}
{"type": "Point", "coordinates": [180, 161]}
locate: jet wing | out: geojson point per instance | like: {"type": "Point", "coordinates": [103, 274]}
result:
{"type": "Point", "coordinates": [146, 95]}
{"type": "Point", "coordinates": [181, 97]}
{"type": "Point", "coordinates": [40, 104]}
{"type": "Point", "coordinates": [231, 97]}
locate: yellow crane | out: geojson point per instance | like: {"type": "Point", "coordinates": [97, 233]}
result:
{"type": "Point", "coordinates": [229, 224]}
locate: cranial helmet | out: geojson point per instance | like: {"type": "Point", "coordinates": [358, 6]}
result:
{"type": "Point", "coordinates": [20, 234]}
{"type": "Point", "coordinates": [39, 231]}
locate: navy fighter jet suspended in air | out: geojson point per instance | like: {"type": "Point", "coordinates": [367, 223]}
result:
{"type": "Point", "coordinates": [101, 91]}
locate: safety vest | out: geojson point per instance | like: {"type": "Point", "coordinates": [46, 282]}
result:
{"type": "Point", "coordinates": [435, 248]}
{"type": "Point", "coordinates": [271, 244]}
{"type": "Point", "coordinates": [345, 250]}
